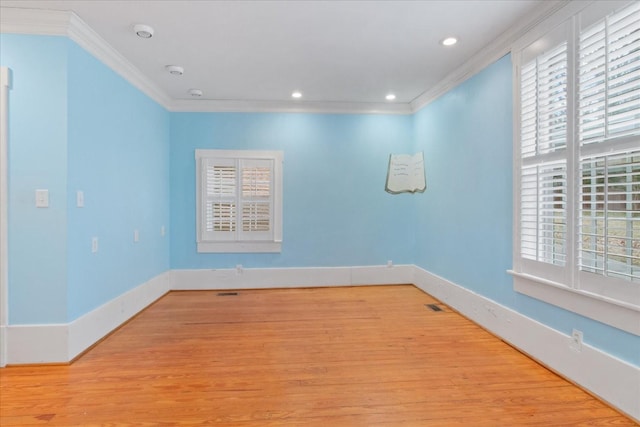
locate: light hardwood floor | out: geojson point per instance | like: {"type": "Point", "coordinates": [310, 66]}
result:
{"type": "Point", "coordinates": [357, 356]}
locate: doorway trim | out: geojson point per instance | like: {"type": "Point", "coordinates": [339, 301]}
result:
{"type": "Point", "coordinates": [5, 84]}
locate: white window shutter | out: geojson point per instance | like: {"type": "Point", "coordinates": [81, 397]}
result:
{"type": "Point", "coordinates": [220, 183]}
{"type": "Point", "coordinates": [609, 77]}
{"type": "Point", "coordinates": [578, 177]}
{"type": "Point", "coordinates": [609, 223]}
{"type": "Point", "coordinates": [256, 199]}
{"type": "Point", "coordinates": [239, 201]}
{"type": "Point", "coordinates": [543, 213]}
{"type": "Point", "coordinates": [543, 142]}
{"type": "Point", "coordinates": [608, 131]}
{"type": "Point", "coordinates": [551, 99]}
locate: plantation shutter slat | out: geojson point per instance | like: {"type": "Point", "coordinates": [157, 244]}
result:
{"type": "Point", "coordinates": [551, 99]}
{"type": "Point", "coordinates": [256, 215]}
{"type": "Point", "coordinates": [528, 129]}
{"type": "Point", "coordinates": [543, 130]}
{"type": "Point", "coordinates": [577, 178]}
{"type": "Point", "coordinates": [609, 78]}
{"type": "Point", "coordinates": [608, 181]}
{"type": "Point", "coordinates": [609, 225]}
{"type": "Point", "coordinates": [220, 208]}
{"type": "Point", "coordinates": [543, 213]}
{"type": "Point", "coordinates": [238, 199]}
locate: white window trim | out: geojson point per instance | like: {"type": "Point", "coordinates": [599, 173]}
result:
{"type": "Point", "coordinates": [5, 85]}
{"type": "Point", "coordinates": [270, 246]}
{"type": "Point", "coordinates": [622, 314]}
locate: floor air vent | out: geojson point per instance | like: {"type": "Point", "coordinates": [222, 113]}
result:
{"type": "Point", "coordinates": [227, 294]}
{"type": "Point", "coordinates": [433, 307]}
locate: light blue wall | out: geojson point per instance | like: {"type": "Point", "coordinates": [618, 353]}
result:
{"type": "Point", "coordinates": [76, 125]}
{"type": "Point", "coordinates": [336, 212]}
{"type": "Point", "coordinates": [37, 160]}
{"type": "Point", "coordinates": [464, 225]}
{"type": "Point", "coordinates": [119, 157]}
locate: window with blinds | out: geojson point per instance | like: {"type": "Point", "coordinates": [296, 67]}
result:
{"type": "Point", "coordinates": [543, 209]}
{"type": "Point", "coordinates": [543, 213]}
{"type": "Point", "coordinates": [609, 77]}
{"type": "Point", "coordinates": [220, 188]}
{"type": "Point", "coordinates": [608, 95]}
{"type": "Point", "coordinates": [239, 201]}
{"type": "Point", "coordinates": [578, 173]}
{"type": "Point", "coordinates": [609, 224]}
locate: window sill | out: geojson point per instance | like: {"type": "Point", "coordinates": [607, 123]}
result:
{"type": "Point", "coordinates": [615, 313]}
{"type": "Point", "coordinates": [239, 247]}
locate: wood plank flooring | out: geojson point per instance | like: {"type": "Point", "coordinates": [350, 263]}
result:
{"type": "Point", "coordinates": [357, 356]}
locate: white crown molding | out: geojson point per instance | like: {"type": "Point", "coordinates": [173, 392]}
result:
{"type": "Point", "coordinates": [34, 21]}
{"type": "Point", "coordinates": [237, 106]}
{"type": "Point", "coordinates": [489, 54]}
{"type": "Point", "coordinates": [65, 23]}
{"type": "Point", "coordinates": [88, 39]}
{"type": "Point", "coordinates": [50, 22]}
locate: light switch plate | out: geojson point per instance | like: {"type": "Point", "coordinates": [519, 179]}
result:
{"type": "Point", "coordinates": [136, 236]}
{"type": "Point", "coordinates": [80, 199]}
{"type": "Point", "coordinates": [42, 198]}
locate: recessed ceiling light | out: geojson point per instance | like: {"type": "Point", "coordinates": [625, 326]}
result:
{"type": "Point", "coordinates": [175, 70]}
{"type": "Point", "coordinates": [449, 41]}
{"type": "Point", "coordinates": [390, 97]}
{"type": "Point", "coordinates": [195, 93]}
{"type": "Point", "coordinates": [143, 31]}
{"type": "Point", "coordinates": [296, 94]}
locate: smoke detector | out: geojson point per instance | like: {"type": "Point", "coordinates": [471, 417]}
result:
{"type": "Point", "coordinates": [176, 70]}
{"type": "Point", "coordinates": [143, 31]}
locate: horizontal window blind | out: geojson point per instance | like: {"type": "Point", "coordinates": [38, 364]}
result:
{"type": "Point", "coordinates": [220, 206]}
{"type": "Point", "coordinates": [257, 189]}
{"type": "Point", "coordinates": [256, 216]}
{"type": "Point", "coordinates": [609, 111]}
{"type": "Point", "coordinates": [543, 130]}
{"type": "Point", "coordinates": [543, 213]}
{"type": "Point", "coordinates": [239, 201]}
{"type": "Point", "coordinates": [609, 222]}
{"type": "Point", "coordinates": [578, 172]}
{"type": "Point", "coordinates": [544, 103]}
{"type": "Point", "coordinates": [256, 182]}
{"type": "Point", "coordinates": [221, 217]}
{"type": "Point", "coordinates": [609, 77]}
{"type": "Point", "coordinates": [220, 180]}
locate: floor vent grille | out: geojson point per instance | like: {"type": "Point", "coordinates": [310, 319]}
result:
{"type": "Point", "coordinates": [227, 294]}
{"type": "Point", "coordinates": [433, 307]}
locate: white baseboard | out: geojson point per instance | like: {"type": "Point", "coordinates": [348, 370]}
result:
{"type": "Point", "coordinates": [613, 380]}
{"type": "Point", "coordinates": [60, 343]}
{"type": "Point", "coordinates": [93, 326]}
{"type": "Point", "coordinates": [37, 344]}
{"type": "Point", "coordinates": [259, 278]}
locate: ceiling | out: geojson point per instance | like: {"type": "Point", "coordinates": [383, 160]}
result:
{"type": "Point", "coordinates": [335, 52]}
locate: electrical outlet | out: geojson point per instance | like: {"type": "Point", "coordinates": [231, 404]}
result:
{"type": "Point", "coordinates": [576, 341]}
{"type": "Point", "coordinates": [136, 236]}
{"type": "Point", "coordinates": [389, 263]}
{"type": "Point", "coordinates": [239, 268]}
{"type": "Point", "coordinates": [94, 245]}
{"type": "Point", "coordinates": [80, 199]}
